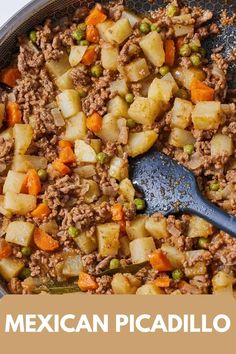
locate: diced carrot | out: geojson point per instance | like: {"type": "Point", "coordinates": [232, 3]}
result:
{"type": "Point", "coordinates": [117, 212]}
{"type": "Point", "coordinates": [122, 224]}
{"type": "Point", "coordinates": [96, 16]}
{"type": "Point", "coordinates": [44, 241]}
{"type": "Point", "coordinates": [201, 92]}
{"type": "Point", "coordinates": [67, 155]}
{"type": "Point", "coordinates": [14, 114]}
{"type": "Point", "coordinates": [41, 211]}
{"type": "Point", "coordinates": [5, 249]}
{"type": "Point", "coordinates": [86, 282]}
{"type": "Point", "coordinates": [169, 52]}
{"type": "Point", "coordinates": [94, 122]}
{"type": "Point", "coordinates": [61, 167]}
{"type": "Point", "coordinates": [159, 261]}
{"type": "Point", "coordinates": [92, 34]}
{"type": "Point", "coordinates": [179, 42]}
{"type": "Point", "coordinates": [162, 282]}
{"type": "Point", "coordinates": [64, 143]}
{"type": "Point", "coordinates": [9, 76]}
{"type": "Point", "coordinates": [31, 184]}
{"type": "Point", "coordinates": [90, 55]}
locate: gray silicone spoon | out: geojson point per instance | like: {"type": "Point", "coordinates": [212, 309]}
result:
{"type": "Point", "coordinates": [170, 188]}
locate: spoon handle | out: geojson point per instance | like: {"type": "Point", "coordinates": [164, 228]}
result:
{"type": "Point", "coordinates": [213, 214]}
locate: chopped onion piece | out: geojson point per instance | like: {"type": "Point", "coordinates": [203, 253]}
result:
{"type": "Point", "coordinates": [58, 119]}
{"type": "Point", "coordinates": [11, 97]}
{"type": "Point", "coordinates": [195, 161]}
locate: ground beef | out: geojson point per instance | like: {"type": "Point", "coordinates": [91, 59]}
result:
{"type": "Point", "coordinates": [15, 286]}
{"type": "Point", "coordinates": [227, 20]}
{"type": "Point", "coordinates": [6, 154]}
{"type": "Point", "coordinates": [115, 9]}
{"type": "Point", "coordinates": [104, 285]}
{"type": "Point", "coordinates": [80, 77]}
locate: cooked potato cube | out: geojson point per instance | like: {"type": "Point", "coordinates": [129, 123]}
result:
{"type": "Point", "coordinates": [175, 257]}
{"type": "Point", "coordinates": [199, 227]}
{"type": "Point", "coordinates": [222, 283]}
{"type": "Point", "coordinates": [160, 90]}
{"type": "Point", "coordinates": [124, 284]}
{"type": "Point", "coordinates": [131, 17]}
{"type": "Point", "coordinates": [136, 227]}
{"type": "Point", "coordinates": [7, 134]}
{"type": "Point", "coordinates": [124, 246]}
{"type": "Point", "coordinates": [23, 135]}
{"type": "Point", "coordinates": [20, 232]}
{"type": "Point", "coordinates": [93, 191]}
{"type": "Point", "coordinates": [206, 115]}
{"type": "Point", "coordinates": [127, 189]}
{"type": "Point", "coordinates": [157, 228]}
{"type": "Point", "coordinates": [199, 268]}
{"type": "Point", "coordinates": [149, 289]}
{"type": "Point", "coordinates": [152, 46]}
{"type": "Point", "coordinates": [181, 113]}
{"type": "Point", "coordinates": [57, 68]}
{"type": "Point", "coordinates": [221, 145]}
{"type": "Point", "coordinates": [103, 30]}
{"type": "Point", "coordinates": [76, 54]}
{"type": "Point", "coordinates": [136, 70]}
{"type": "Point", "coordinates": [169, 77]}
{"type": "Point", "coordinates": [10, 267]}
{"type": "Point", "coordinates": [119, 87]}
{"type": "Point", "coordinates": [69, 103]}
{"type": "Point", "coordinates": [144, 110]}
{"type": "Point", "coordinates": [96, 145]}
{"type": "Point", "coordinates": [139, 143]}
{"type": "Point", "coordinates": [76, 127]}
{"type": "Point", "coordinates": [20, 204]}
{"type": "Point", "coordinates": [87, 242]}
{"type": "Point", "coordinates": [109, 130]}
{"type": "Point", "coordinates": [118, 107]}
{"type": "Point", "coordinates": [13, 182]}
{"type": "Point", "coordinates": [109, 56]}
{"type": "Point", "coordinates": [120, 31]}
{"type": "Point", "coordinates": [4, 211]}
{"type": "Point", "coordinates": [22, 163]}
{"type": "Point", "coordinates": [73, 266]}
{"type": "Point", "coordinates": [65, 82]}
{"type": "Point", "coordinates": [108, 239]}
{"type": "Point", "coordinates": [84, 152]}
{"type": "Point", "coordinates": [180, 137]}
{"type": "Point", "coordinates": [141, 248]}
{"type": "Point", "coordinates": [118, 168]}
{"type": "Point", "coordinates": [2, 113]}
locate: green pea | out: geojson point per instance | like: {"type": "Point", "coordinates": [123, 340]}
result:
{"type": "Point", "coordinates": [129, 97]}
{"type": "Point", "coordinates": [164, 70]}
{"type": "Point", "coordinates": [177, 274]}
{"type": "Point", "coordinates": [43, 175]}
{"type": "Point", "coordinates": [96, 70]}
{"type": "Point", "coordinates": [72, 231]}
{"type": "Point", "coordinates": [82, 93]}
{"type": "Point", "coordinates": [194, 46]}
{"type": "Point", "coordinates": [195, 59]}
{"type": "Point", "coordinates": [78, 35]}
{"type": "Point", "coordinates": [130, 123]}
{"type": "Point", "coordinates": [26, 251]}
{"type": "Point", "coordinates": [25, 273]}
{"type": "Point", "coordinates": [202, 51]}
{"type": "Point", "coordinates": [214, 186]}
{"type": "Point", "coordinates": [139, 203]}
{"type": "Point", "coordinates": [182, 93]}
{"type": "Point", "coordinates": [185, 50]}
{"type": "Point", "coordinates": [155, 28]}
{"type": "Point", "coordinates": [172, 10]}
{"type": "Point", "coordinates": [145, 27]}
{"type": "Point", "coordinates": [33, 36]}
{"type": "Point", "coordinates": [114, 263]}
{"type": "Point", "coordinates": [189, 149]}
{"type": "Point", "coordinates": [203, 242]}
{"type": "Point", "coordinates": [84, 43]}
{"type": "Point", "coordinates": [81, 27]}
{"type": "Point", "coordinates": [102, 157]}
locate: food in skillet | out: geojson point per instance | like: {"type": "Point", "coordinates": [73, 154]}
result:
{"type": "Point", "coordinates": [87, 93]}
